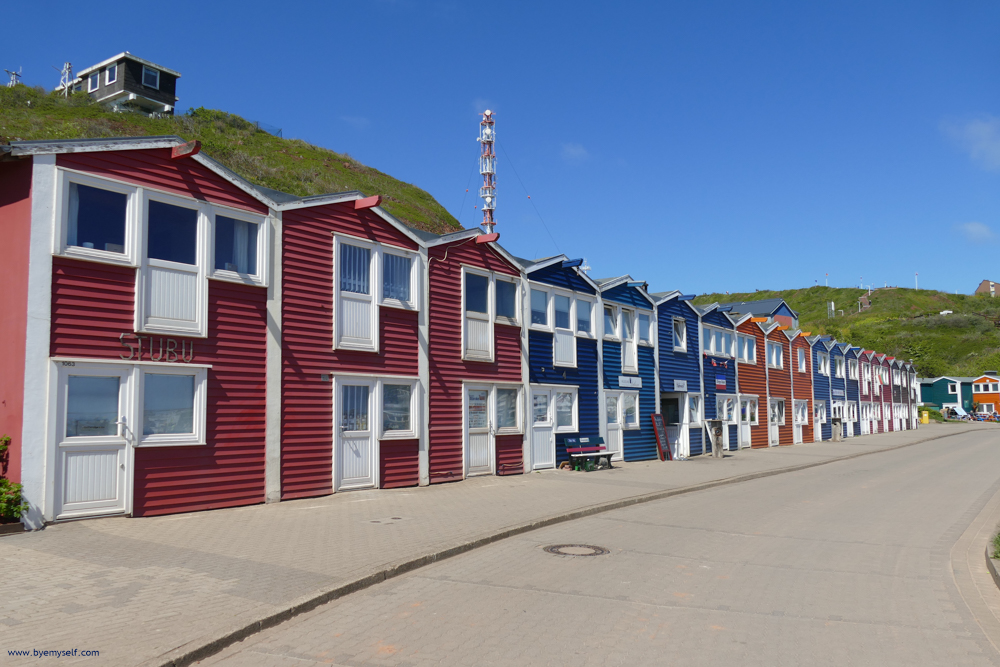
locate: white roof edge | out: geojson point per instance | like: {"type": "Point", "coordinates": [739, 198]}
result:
{"type": "Point", "coordinates": [125, 54]}
{"type": "Point", "coordinates": [454, 236]}
{"type": "Point", "coordinates": [95, 146]}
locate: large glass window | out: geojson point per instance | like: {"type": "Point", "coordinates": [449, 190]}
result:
{"type": "Point", "coordinates": [476, 290]}
{"type": "Point", "coordinates": [396, 407]}
{"type": "Point", "coordinates": [97, 218]}
{"type": "Point", "coordinates": [354, 408]}
{"type": "Point", "coordinates": [611, 409]}
{"type": "Point", "coordinates": [355, 269]}
{"type": "Point", "coordinates": [507, 408]}
{"type": "Point", "coordinates": [172, 233]}
{"type": "Point", "coordinates": [630, 411]}
{"type": "Point", "coordinates": [539, 308]}
{"type": "Point", "coordinates": [506, 299]}
{"type": "Point", "coordinates": [583, 316]}
{"type": "Point", "coordinates": [168, 404]}
{"type": "Point", "coordinates": [93, 82]}
{"type": "Point", "coordinates": [562, 307]}
{"type": "Point", "coordinates": [644, 334]}
{"type": "Point", "coordinates": [235, 245]}
{"type": "Point", "coordinates": [396, 277]}
{"type": "Point", "coordinates": [150, 77]}
{"type": "Point", "coordinates": [564, 408]}
{"type": "Point", "coordinates": [694, 408]}
{"type": "Point", "coordinates": [92, 405]}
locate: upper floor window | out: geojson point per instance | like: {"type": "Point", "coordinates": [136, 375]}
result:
{"type": "Point", "coordinates": [584, 313]}
{"type": "Point", "coordinates": [852, 369]}
{"type": "Point", "coordinates": [645, 334]}
{"type": "Point", "coordinates": [746, 348]}
{"type": "Point", "coordinates": [489, 297]}
{"type": "Point", "coordinates": [630, 357]}
{"type": "Point", "coordinates": [93, 82]}
{"type": "Point", "coordinates": [802, 360]}
{"type": "Point", "coordinates": [775, 355]}
{"type": "Point", "coordinates": [610, 322]}
{"type": "Point", "coordinates": [718, 342]}
{"type": "Point", "coordinates": [823, 363]}
{"type": "Point", "coordinates": [150, 77]}
{"type": "Point", "coordinates": [838, 365]}
{"type": "Point", "coordinates": [539, 308]}
{"type": "Point", "coordinates": [680, 335]}
{"type": "Point", "coordinates": [563, 305]}
{"type": "Point", "coordinates": [110, 75]}
{"type": "Point", "coordinates": [506, 301]}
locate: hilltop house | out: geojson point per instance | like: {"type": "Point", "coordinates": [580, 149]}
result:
{"type": "Point", "coordinates": [127, 81]}
{"type": "Point", "coordinates": [986, 287]}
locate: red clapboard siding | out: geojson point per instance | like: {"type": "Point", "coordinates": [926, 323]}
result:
{"type": "Point", "coordinates": [887, 393]}
{"type": "Point", "coordinates": [803, 385]}
{"type": "Point", "coordinates": [780, 384]}
{"type": "Point", "coordinates": [753, 380]}
{"type": "Point", "coordinates": [398, 463]}
{"type": "Point", "coordinates": [447, 369]}
{"type": "Point", "coordinates": [510, 455]}
{"type": "Point", "coordinates": [153, 168]}
{"type": "Point", "coordinates": [92, 306]}
{"type": "Point", "coordinates": [307, 341]}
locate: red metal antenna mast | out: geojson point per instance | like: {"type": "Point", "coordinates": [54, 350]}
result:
{"type": "Point", "coordinates": [488, 168]}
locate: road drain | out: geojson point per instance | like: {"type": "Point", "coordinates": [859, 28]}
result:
{"type": "Point", "coordinates": [576, 550]}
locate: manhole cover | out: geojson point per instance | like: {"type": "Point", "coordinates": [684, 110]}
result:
{"type": "Point", "coordinates": [576, 550]}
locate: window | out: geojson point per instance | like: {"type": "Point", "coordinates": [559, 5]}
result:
{"type": "Point", "coordinates": [92, 405]}
{"type": "Point", "coordinates": [823, 363]}
{"type": "Point", "coordinates": [97, 218]}
{"type": "Point", "coordinates": [173, 405]}
{"type": "Point", "coordinates": [838, 365]}
{"type": "Point", "coordinates": [507, 402]}
{"type": "Point", "coordinates": [583, 311]}
{"type": "Point", "coordinates": [777, 414]}
{"type": "Point", "coordinates": [93, 82]}
{"type": "Point", "coordinates": [717, 342]}
{"type": "Point", "coordinates": [396, 272]}
{"type": "Point", "coordinates": [775, 355]}
{"type": "Point", "coordinates": [748, 411]}
{"type": "Point", "coordinates": [694, 408]}
{"type": "Point", "coordinates": [645, 336]}
{"type": "Point", "coordinates": [610, 322]}
{"type": "Point", "coordinates": [725, 408]}
{"type": "Point", "coordinates": [680, 335]}
{"type": "Point", "coordinates": [994, 387]}
{"type": "Point", "coordinates": [563, 305]}
{"type": "Point", "coordinates": [539, 308]}
{"type": "Point", "coordinates": [488, 297]}
{"type": "Point", "coordinates": [630, 353]}
{"type": "Point", "coordinates": [566, 411]}
{"type": "Point", "coordinates": [540, 408]}
{"type": "Point", "coordinates": [396, 407]}
{"type": "Point", "coordinates": [819, 412]}
{"type": "Point", "coordinates": [506, 301]}
{"type": "Point", "coordinates": [150, 77]}
{"type": "Point", "coordinates": [236, 245]}
{"type": "Point", "coordinates": [611, 409]}
{"type": "Point", "coordinates": [952, 388]}
{"type": "Point", "coordinates": [110, 75]}
{"type": "Point", "coordinates": [800, 412]}
{"type": "Point", "coordinates": [746, 349]}
{"type": "Point", "coordinates": [630, 410]}
{"type": "Point", "coordinates": [852, 369]}
{"type": "Point", "coordinates": [852, 412]}
{"type": "Point", "coordinates": [172, 233]}
{"type": "Point", "coordinates": [802, 361]}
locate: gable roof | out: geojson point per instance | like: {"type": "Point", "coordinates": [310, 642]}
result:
{"type": "Point", "coordinates": [762, 307]}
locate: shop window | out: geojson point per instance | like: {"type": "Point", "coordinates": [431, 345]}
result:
{"type": "Point", "coordinates": [819, 412]}
{"type": "Point", "coordinates": [173, 406]}
{"type": "Point", "coordinates": [725, 408]}
{"type": "Point", "coordinates": [777, 414]}
{"type": "Point", "coordinates": [680, 335]}
{"type": "Point", "coordinates": [566, 411]}
{"type": "Point", "coordinates": [507, 403]}
{"type": "Point", "coordinates": [800, 412]}
{"type": "Point", "coordinates": [694, 408]}
{"type": "Point", "coordinates": [396, 407]}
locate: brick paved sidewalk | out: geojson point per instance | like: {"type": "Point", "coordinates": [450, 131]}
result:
{"type": "Point", "coordinates": [147, 590]}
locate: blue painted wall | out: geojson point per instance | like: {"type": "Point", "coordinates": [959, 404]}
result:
{"type": "Point", "coordinates": [627, 296]}
{"type": "Point", "coordinates": [678, 365]}
{"type": "Point", "coordinates": [725, 367]}
{"type": "Point", "coordinates": [583, 376]}
{"type": "Point", "coordinates": [854, 386]}
{"type": "Point", "coordinates": [821, 387]}
{"type": "Point", "coordinates": [560, 277]}
{"type": "Point", "coordinates": [836, 383]}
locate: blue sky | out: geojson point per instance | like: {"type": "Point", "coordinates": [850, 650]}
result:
{"type": "Point", "coordinates": [705, 146]}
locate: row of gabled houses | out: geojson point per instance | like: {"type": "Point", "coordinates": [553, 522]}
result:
{"type": "Point", "coordinates": [177, 338]}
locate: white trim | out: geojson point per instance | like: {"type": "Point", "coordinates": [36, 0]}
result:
{"type": "Point", "coordinates": [263, 251]}
{"type": "Point", "coordinates": [200, 430]}
{"type": "Point", "coordinates": [133, 215]}
{"type": "Point", "coordinates": [129, 56]}
{"type": "Point", "coordinates": [93, 81]}
{"type": "Point", "coordinates": [423, 371]}
{"type": "Point", "coordinates": [107, 74]}
{"type": "Point", "coordinates": [37, 453]}
{"type": "Point", "coordinates": [155, 70]}
{"type": "Point", "coordinates": [125, 362]}
{"type": "Point", "coordinates": [273, 365]}
{"type": "Point", "coordinates": [489, 318]}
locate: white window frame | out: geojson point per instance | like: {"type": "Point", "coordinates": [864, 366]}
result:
{"type": "Point", "coordinates": [755, 401]}
{"type": "Point", "coordinates": [93, 81]}
{"type": "Point", "coordinates": [771, 346]}
{"type": "Point", "coordinates": [564, 389]}
{"type": "Point", "coordinates": [852, 369]}
{"type": "Point", "coordinates": [696, 416]}
{"type": "Point", "coordinates": [824, 363]}
{"type": "Point", "coordinates": [155, 71]}
{"type": "Point", "coordinates": [552, 294]}
{"type": "Point", "coordinates": [734, 413]}
{"type": "Point", "coordinates": [507, 430]}
{"type": "Point", "coordinates": [784, 411]}
{"type": "Point", "coordinates": [838, 367]}
{"type": "Point", "coordinates": [492, 277]}
{"type": "Point", "coordinates": [652, 328]}
{"type": "Point", "coordinates": [550, 323]}
{"type": "Point", "coordinates": [802, 366]}
{"type": "Point", "coordinates": [200, 407]}
{"type": "Point", "coordinates": [621, 410]}
{"type": "Point", "coordinates": [133, 217]}
{"type": "Point", "coordinates": [415, 412]}
{"type": "Point", "coordinates": [819, 412]}
{"type": "Point", "coordinates": [263, 247]}
{"type": "Point", "coordinates": [628, 368]}
{"type": "Point", "coordinates": [751, 347]}
{"type": "Point", "coordinates": [681, 344]}
{"type": "Point", "coordinates": [797, 405]}
{"type": "Point", "coordinates": [587, 303]}
{"type": "Point", "coordinates": [616, 313]}
{"type": "Point", "coordinates": [708, 332]}
{"type": "Point", "coordinates": [126, 400]}
{"type": "Point", "coordinates": [501, 278]}
{"type": "Point", "coordinates": [108, 79]}
{"type": "Point", "coordinates": [953, 388]}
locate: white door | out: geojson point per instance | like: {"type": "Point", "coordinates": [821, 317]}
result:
{"type": "Point", "coordinates": [614, 420]}
{"type": "Point", "coordinates": [543, 446]}
{"type": "Point", "coordinates": [355, 449]}
{"type": "Point", "coordinates": [94, 452]}
{"type": "Point", "coordinates": [748, 412]}
{"type": "Point", "coordinates": [478, 432]}
{"type": "Point", "coordinates": [674, 410]}
{"type": "Point", "coordinates": [776, 415]}
{"type": "Point", "coordinates": [797, 420]}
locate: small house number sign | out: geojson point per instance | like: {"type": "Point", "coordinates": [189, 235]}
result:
{"type": "Point", "coordinates": [156, 348]}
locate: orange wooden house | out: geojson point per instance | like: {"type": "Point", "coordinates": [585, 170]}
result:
{"type": "Point", "coordinates": [986, 393]}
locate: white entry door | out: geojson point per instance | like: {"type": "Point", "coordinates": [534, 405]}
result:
{"type": "Point", "coordinates": [748, 415]}
{"type": "Point", "coordinates": [94, 450]}
{"type": "Point", "coordinates": [776, 417]}
{"type": "Point", "coordinates": [478, 432]}
{"type": "Point", "coordinates": [543, 446]}
{"type": "Point", "coordinates": [613, 417]}
{"type": "Point", "coordinates": [355, 435]}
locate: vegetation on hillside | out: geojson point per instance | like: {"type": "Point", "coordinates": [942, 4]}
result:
{"type": "Point", "coordinates": [903, 323]}
{"type": "Point", "coordinates": [290, 165]}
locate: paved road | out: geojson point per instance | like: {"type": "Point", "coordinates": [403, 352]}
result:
{"type": "Point", "coordinates": [843, 564]}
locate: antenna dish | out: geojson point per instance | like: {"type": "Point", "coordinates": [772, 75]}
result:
{"type": "Point", "coordinates": [488, 112]}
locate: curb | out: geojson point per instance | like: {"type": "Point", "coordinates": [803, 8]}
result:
{"type": "Point", "coordinates": [186, 657]}
{"type": "Point", "coordinates": [991, 566]}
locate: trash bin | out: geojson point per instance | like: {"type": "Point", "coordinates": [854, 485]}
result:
{"type": "Point", "coordinates": [838, 429]}
{"type": "Point", "coordinates": [715, 434]}
{"type": "Point", "coordinates": [925, 417]}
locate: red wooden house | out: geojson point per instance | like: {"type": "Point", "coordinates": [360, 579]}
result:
{"type": "Point", "coordinates": [779, 385]}
{"type": "Point", "coordinates": [802, 387]}
{"type": "Point", "coordinates": [867, 391]}
{"type": "Point", "coordinates": [477, 356]}
{"type": "Point", "coordinates": [137, 290]}
{"type": "Point", "coordinates": [751, 370]}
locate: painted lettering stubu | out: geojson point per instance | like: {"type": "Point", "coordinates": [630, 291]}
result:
{"type": "Point", "coordinates": [156, 348]}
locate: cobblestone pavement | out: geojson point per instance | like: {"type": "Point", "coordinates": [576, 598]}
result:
{"type": "Point", "coordinates": [836, 565]}
{"type": "Point", "coordinates": [142, 590]}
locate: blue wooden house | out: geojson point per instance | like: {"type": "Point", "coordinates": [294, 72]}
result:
{"type": "Point", "coordinates": [562, 310]}
{"type": "Point", "coordinates": [628, 356]}
{"type": "Point", "coordinates": [838, 386]}
{"type": "Point", "coordinates": [678, 359]}
{"type": "Point", "coordinates": [822, 387]}
{"type": "Point", "coordinates": [718, 370]}
{"type": "Point", "coordinates": [853, 386]}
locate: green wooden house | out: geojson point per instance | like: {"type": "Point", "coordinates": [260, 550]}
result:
{"type": "Point", "coordinates": [947, 392]}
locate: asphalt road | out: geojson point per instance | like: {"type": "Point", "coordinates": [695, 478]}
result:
{"type": "Point", "coordinates": [843, 564]}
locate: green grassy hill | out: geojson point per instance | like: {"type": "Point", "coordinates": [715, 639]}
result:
{"type": "Point", "coordinates": [290, 165]}
{"type": "Point", "coordinates": [904, 323]}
